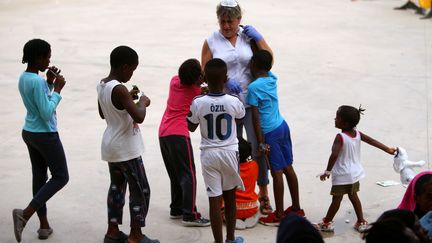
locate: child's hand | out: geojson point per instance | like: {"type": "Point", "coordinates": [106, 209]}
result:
{"type": "Point", "coordinates": [52, 73]}
{"type": "Point", "coordinates": [324, 175]}
{"type": "Point", "coordinates": [264, 148]}
{"type": "Point", "coordinates": [204, 89]}
{"type": "Point", "coordinates": [134, 92]}
{"type": "Point", "coordinates": [144, 100]}
{"type": "Point", "coordinates": [392, 151]}
{"type": "Point", "coordinates": [59, 83]}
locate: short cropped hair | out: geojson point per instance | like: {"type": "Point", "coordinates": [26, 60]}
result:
{"type": "Point", "coordinates": [215, 71]}
{"type": "Point", "coordinates": [35, 49]}
{"type": "Point", "coordinates": [189, 71]}
{"type": "Point", "coordinates": [230, 12]}
{"type": "Point", "coordinates": [350, 115]}
{"type": "Point", "coordinates": [123, 55]}
{"type": "Point", "coordinates": [263, 59]}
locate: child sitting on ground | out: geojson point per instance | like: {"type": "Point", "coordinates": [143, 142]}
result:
{"type": "Point", "coordinates": [344, 166]}
{"type": "Point", "coordinates": [246, 201]}
{"type": "Point", "coordinates": [417, 197]}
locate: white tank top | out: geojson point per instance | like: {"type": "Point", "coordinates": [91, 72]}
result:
{"type": "Point", "coordinates": [237, 58]}
{"type": "Point", "coordinates": [347, 169]}
{"type": "Point", "coordinates": [122, 140]}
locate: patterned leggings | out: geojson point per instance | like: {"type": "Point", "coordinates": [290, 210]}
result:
{"type": "Point", "coordinates": [123, 173]}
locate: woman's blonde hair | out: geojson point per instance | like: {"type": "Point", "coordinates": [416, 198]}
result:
{"type": "Point", "coordinates": [230, 12]}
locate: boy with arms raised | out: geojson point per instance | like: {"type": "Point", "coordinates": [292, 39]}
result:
{"type": "Point", "coordinates": [216, 113]}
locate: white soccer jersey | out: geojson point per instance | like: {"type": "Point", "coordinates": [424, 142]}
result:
{"type": "Point", "coordinates": [216, 114]}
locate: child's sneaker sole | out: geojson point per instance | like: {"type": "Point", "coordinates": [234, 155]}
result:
{"type": "Point", "coordinates": [269, 224]}
{"type": "Point", "coordinates": [176, 216]}
{"type": "Point", "coordinates": [324, 227]}
{"type": "Point", "coordinates": [202, 222]}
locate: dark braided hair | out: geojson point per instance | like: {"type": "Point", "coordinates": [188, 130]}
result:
{"type": "Point", "coordinates": [35, 49]}
{"type": "Point", "coordinates": [350, 115]}
{"type": "Point", "coordinates": [189, 71]}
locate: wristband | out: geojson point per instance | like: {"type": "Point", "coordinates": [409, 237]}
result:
{"type": "Point", "coordinates": [327, 173]}
{"type": "Point", "coordinates": [262, 147]}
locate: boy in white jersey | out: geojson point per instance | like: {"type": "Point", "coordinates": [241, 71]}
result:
{"type": "Point", "coordinates": [122, 147]}
{"type": "Point", "coordinates": [216, 113]}
{"type": "Point", "coordinates": [344, 166]}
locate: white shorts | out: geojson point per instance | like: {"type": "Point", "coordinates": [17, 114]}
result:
{"type": "Point", "coordinates": [220, 169]}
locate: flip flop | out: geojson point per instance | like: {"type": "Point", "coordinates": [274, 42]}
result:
{"type": "Point", "coordinates": [265, 207]}
{"type": "Point", "coordinates": [43, 234]}
{"type": "Point", "coordinates": [361, 226]}
{"type": "Point", "coordinates": [19, 223]}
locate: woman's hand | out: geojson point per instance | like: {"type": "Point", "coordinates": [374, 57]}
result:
{"type": "Point", "coordinates": [252, 33]}
{"type": "Point", "coordinates": [233, 87]}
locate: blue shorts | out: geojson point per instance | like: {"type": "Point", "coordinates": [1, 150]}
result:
{"type": "Point", "coordinates": [281, 155]}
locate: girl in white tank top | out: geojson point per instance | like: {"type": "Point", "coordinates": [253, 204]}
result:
{"type": "Point", "coordinates": [345, 168]}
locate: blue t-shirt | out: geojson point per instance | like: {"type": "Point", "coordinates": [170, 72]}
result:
{"type": "Point", "coordinates": [263, 94]}
{"type": "Point", "coordinates": [40, 103]}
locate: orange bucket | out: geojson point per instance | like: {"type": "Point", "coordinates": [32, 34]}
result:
{"type": "Point", "coordinates": [425, 3]}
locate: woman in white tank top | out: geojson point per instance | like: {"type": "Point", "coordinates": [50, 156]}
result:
{"type": "Point", "coordinates": [232, 43]}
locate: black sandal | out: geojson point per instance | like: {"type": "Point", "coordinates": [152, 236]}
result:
{"type": "Point", "coordinates": [265, 207]}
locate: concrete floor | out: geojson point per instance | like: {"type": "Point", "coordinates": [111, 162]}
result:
{"type": "Point", "coordinates": [327, 53]}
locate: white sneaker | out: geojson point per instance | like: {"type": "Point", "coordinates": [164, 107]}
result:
{"type": "Point", "coordinates": [240, 224]}
{"type": "Point", "coordinates": [252, 221]}
{"type": "Point", "coordinates": [326, 227]}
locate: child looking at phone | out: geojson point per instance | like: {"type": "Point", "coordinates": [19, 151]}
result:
{"type": "Point", "coordinates": [122, 147]}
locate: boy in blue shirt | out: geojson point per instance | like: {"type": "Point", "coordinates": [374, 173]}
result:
{"type": "Point", "coordinates": [273, 135]}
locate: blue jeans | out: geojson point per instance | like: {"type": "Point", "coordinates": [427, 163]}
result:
{"type": "Point", "coordinates": [46, 152]}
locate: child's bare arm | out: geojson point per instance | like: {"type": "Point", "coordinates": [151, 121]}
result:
{"type": "Point", "coordinates": [191, 126]}
{"type": "Point", "coordinates": [123, 98]}
{"type": "Point", "coordinates": [262, 146]}
{"type": "Point", "coordinates": [336, 147]}
{"type": "Point", "coordinates": [256, 124]}
{"type": "Point", "coordinates": [365, 138]}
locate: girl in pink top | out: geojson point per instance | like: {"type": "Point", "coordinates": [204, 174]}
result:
{"type": "Point", "coordinates": [176, 146]}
